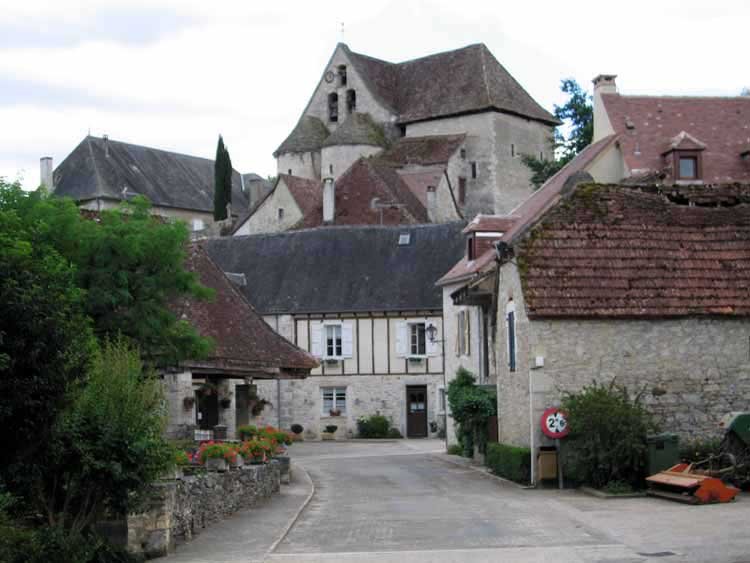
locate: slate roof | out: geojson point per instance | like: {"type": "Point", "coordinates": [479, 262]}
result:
{"type": "Point", "coordinates": [531, 210]}
{"type": "Point", "coordinates": [423, 151]}
{"type": "Point", "coordinates": [101, 169]}
{"type": "Point", "coordinates": [464, 80]}
{"type": "Point", "coordinates": [244, 343]}
{"type": "Point", "coordinates": [357, 129]}
{"type": "Point", "coordinates": [307, 135]}
{"type": "Point", "coordinates": [648, 125]}
{"type": "Point", "coordinates": [615, 251]}
{"type": "Point", "coordinates": [342, 269]}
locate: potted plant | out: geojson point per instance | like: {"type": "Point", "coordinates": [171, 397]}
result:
{"type": "Point", "coordinates": [297, 430]}
{"type": "Point", "coordinates": [334, 412]}
{"type": "Point", "coordinates": [225, 402]}
{"type": "Point", "coordinates": [330, 432]}
{"type": "Point", "coordinates": [247, 432]}
{"type": "Point", "coordinates": [217, 455]}
{"type": "Point", "coordinates": [188, 402]}
{"type": "Point", "coordinates": [256, 451]}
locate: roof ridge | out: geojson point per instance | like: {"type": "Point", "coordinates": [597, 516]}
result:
{"type": "Point", "coordinates": [484, 75]}
{"type": "Point", "coordinates": [99, 187]}
{"type": "Point", "coordinates": [676, 96]}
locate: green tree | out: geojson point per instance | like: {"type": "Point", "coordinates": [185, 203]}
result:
{"type": "Point", "coordinates": [107, 447]}
{"type": "Point", "coordinates": [471, 406]}
{"type": "Point", "coordinates": [577, 114]}
{"type": "Point", "coordinates": [45, 336]}
{"type": "Point", "coordinates": [129, 267]}
{"type": "Point", "coordinates": [222, 181]}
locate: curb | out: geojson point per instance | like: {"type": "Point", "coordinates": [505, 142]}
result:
{"type": "Point", "coordinates": [296, 516]}
{"type": "Point", "coordinates": [483, 472]}
{"type": "Point", "coordinates": [609, 496]}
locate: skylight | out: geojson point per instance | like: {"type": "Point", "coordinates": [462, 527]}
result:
{"type": "Point", "coordinates": [404, 239]}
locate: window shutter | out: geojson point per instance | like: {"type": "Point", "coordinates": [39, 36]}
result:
{"type": "Point", "coordinates": [401, 338]}
{"type": "Point", "coordinates": [431, 347]}
{"type": "Point", "coordinates": [459, 333]}
{"type": "Point", "coordinates": [316, 340]}
{"type": "Point", "coordinates": [468, 333]}
{"type": "Point", "coordinates": [346, 339]}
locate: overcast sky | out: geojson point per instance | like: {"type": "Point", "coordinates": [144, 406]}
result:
{"type": "Point", "coordinates": [173, 74]}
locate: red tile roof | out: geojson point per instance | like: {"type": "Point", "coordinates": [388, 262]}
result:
{"type": "Point", "coordinates": [647, 125]}
{"type": "Point", "coordinates": [530, 210]}
{"type": "Point", "coordinates": [307, 193]}
{"type": "Point", "coordinates": [616, 251]}
{"type": "Point", "coordinates": [356, 189]}
{"type": "Point", "coordinates": [244, 343]}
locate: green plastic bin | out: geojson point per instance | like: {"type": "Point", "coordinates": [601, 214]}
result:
{"type": "Point", "coordinates": [663, 452]}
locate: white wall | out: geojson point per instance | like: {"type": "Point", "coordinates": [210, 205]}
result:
{"type": "Point", "coordinates": [265, 219]}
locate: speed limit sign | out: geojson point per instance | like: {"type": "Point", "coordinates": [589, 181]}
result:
{"type": "Point", "coordinates": [555, 423]}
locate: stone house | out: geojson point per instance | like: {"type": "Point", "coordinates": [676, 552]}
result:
{"type": "Point", "coordinates": [362, 300]}
{"type": "Point", "coordinates": [461, 102]}
{"type": "Point", "coordinates": [221, 390]}
{"type": "Point", "coordinates": [100, 173]}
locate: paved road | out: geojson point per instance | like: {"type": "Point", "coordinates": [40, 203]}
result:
{"type": "Point", "coordinates": [405, 501]}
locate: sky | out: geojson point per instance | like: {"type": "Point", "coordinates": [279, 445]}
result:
{"type": "Point", "coordinates": [174, 74]}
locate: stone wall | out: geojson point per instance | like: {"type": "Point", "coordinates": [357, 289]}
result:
{"type": "Point", "coordinates": [179, 509]}
{"type": "Point", "coordinates": [338, 159]}
{"type": "Point", "coordinates": [690, 371]}
{"type": "Point", "coordinates": [265, 219]}
{"type": "Point", "coordinates": [302, 164]}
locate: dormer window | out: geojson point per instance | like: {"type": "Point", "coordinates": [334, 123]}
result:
{"type": "Point", "coordinates": [351, 101]}
{"type": "Point", "coordinates": [333, 107]}
{"type": "Point", "coordinates": [342, 75]}
{"type": "Point", "coordinates": [685, 153]}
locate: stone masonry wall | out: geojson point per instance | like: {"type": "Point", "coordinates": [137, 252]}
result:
{"type": "Point", "coordinates": [179, 509]}
{"type": "Point", "coordinates": [365, 395]}
{"type": "Point", "coordinates": [691, 371]}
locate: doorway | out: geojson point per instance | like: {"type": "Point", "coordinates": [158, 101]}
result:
{"type": "Point", "coordinates": [416, 411]}
{"type": "Point", "coordinates": [207, 411]}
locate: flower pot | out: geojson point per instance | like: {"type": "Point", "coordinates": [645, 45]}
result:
{"type": "Point", "coordinates": [257, 460]}
{"type": "Point", "coordinates": [216, 464]}
{"type": "Point", "coordinates": [327, 436]}
{"type": "Point", "coordinates": [285, 464]}
{"type": "Point", "coordinates": [239, 461]}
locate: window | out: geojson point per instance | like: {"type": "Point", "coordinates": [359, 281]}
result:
{"type": "Point", "coordinates": [473, 170]}
{"type": "Point", "coordinates": [461, 191]}
{"type": "Point", "coordinates": [333, 341]}
{"type": "Point", "coordinates": [281, 213]}
{"type": "Point", "coordinates": [342, 75]}
{"type": "Point", "coordinates": [333, 106]}
{"type": "Point", "coordinates": [333, 399]}
{"type": "Point", "coordinates": [463, 154]}
{"type": "Point", "coordinates": [404, 239]}
{"type": "Point", "coordinates": [417, 340]}
{"type": "Point", "coordinates": [463, 333]}
{"type": "Point", "coordinates": [290, 171]}
{"type": "Point", "coordinates": [688, 167]}
{"type": "Point", "coordinates": [512, 150]}
{"type": "Point", "coordinates": [510, 313]}
{"type": "Point", "coordinates": [351, 101]}
{"type": "Point", "coordinates": [441, 402]}
{"type": "Point", "coordinates": [198, 225]}
{"type": "Point", "coordinates": [330, 168]}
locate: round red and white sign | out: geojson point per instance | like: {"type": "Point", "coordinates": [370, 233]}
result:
{"type": "Point", "coordinates": [555, 423]}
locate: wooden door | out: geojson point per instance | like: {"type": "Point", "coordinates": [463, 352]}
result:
{"type": "Point", "coordinates": [207, 413]}
{"type": "Point", "coordinates": [416, 411]}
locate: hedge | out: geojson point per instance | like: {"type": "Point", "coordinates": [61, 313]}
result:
{"type": "Point", "coordinates": [511, 462]}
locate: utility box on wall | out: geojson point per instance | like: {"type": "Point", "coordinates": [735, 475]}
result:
{"type": "Point", "coordinates": [546, 463]}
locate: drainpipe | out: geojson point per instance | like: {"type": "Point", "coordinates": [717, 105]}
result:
{"type": "Point", "coordinates": [531, 429]}
{"type": "Point", "coordinates": [278, 403]}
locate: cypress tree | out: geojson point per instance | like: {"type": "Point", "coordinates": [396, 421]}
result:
{"type": "Point", "coordinates": [222, 181]}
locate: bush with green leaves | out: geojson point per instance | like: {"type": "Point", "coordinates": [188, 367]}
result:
{"type": "Point", "coordinates": [455, 449]}
{"type": "Point", "coordinates": [107, 447]}
{"type": "Point", "coordinates": [394, 433]}
{"type": "Point", "coordinates": [471, 406]}
{"type": "Point", "coordinates": [698, 450]}
{"type": "Point", "coordinates": [247, 432]}
{"type": "Point", "coordinates": [607, 440]}
{"type": "Point", "coordinates": [510, 462]}
{"type": "Point", "coordinates": [373, 426]}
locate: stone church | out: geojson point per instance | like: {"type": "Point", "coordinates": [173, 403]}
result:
{"type": "Point", "coordinates": [435, 139]}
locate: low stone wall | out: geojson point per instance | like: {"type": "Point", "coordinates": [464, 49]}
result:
{"type": "Point", "coordinates": [179, 509]}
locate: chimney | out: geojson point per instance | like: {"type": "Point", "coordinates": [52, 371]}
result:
{"type": "Point", "coordinates": [106, 145]}
{"type": "Point", "coordinates": [45, 173]}
{"type": "Point", "coordinates": [603, 84]}
{"type": "Point", "coordinates": [329, 200]}
{"type": "Point", "coordinates": [431, 203]}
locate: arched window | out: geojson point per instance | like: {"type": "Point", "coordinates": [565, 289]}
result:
{"type": "Point", "coordinates": [342, 75]}
{"type": "Point", "coordinates": [351, 101]}
{"type": "Point", "coordinates": [333, 106]}
{"type": "Point", "coordinates": [510, 317]}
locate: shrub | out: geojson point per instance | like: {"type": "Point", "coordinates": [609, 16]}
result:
{"type": "Point", "coordinates": [395, 434]}
{"type": "Point", "coordinates": [698, 450]}
{"type": "Point", "coordinates": [247, 432]}
{"type": "Point", "coordinates": [181, 458]}
{"type": "Point", "coordinates": [373, 426]}
{"type": "Point", "coordinates": [258, 449]}
{"type": "Point", "coordinates": [297, 428]}
{"type": "Point", "coordinates": [510, 462]}
{"type": "Point", "coordinates": [331, 428]}
{"type": "Point", "coordinates": [455, 449]}
{"type": "Point", "coordinates": [471, 406]}
{"type": "Point", "coordinates": [618, 488]}
{"type": "Point", "coordinates": [607, 440]}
